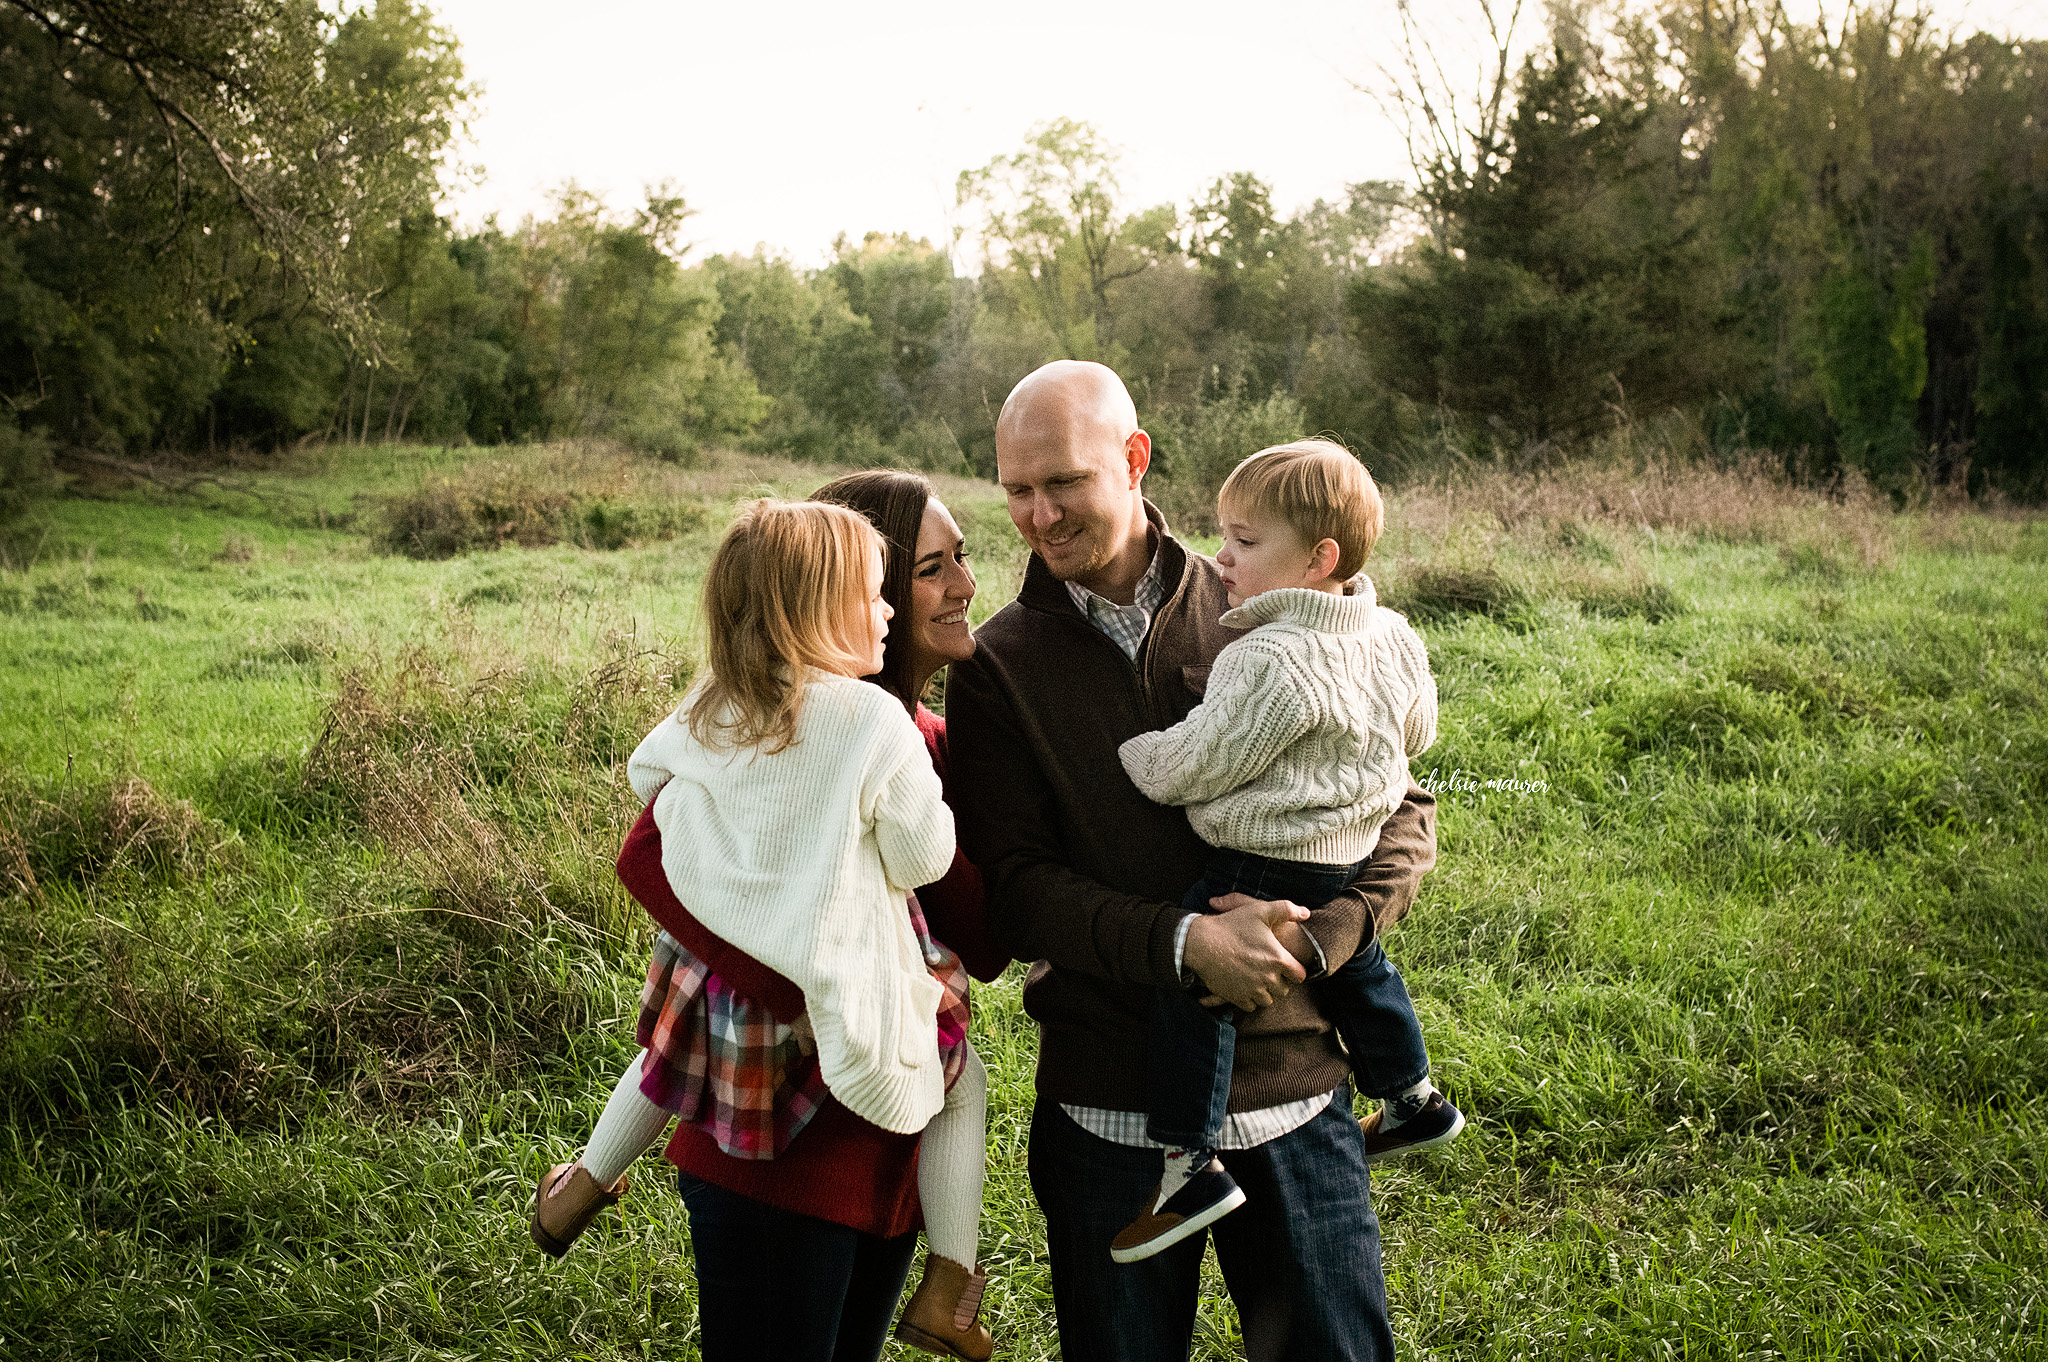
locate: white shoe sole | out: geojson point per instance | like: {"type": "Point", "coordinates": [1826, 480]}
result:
{"type": "Point", "coordinates": [1202, 1220]}
{"type": "Point", "coordinates": [1431, 1143]}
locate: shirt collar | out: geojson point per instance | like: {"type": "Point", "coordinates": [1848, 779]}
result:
{"type": "Point", "coordinates": [1151, 589]}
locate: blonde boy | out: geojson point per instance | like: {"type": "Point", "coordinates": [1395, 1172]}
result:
{"type": "Point", "coordinates": [1289, 767]}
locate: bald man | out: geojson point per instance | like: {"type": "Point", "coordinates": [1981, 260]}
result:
{"type": "Point", "coordinates": [1112, 635]}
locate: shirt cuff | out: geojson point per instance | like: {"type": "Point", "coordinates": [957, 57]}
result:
{"type": "Point", "coordinates": [1322, 961]}
{"type": "Point", "coordinates": [1180, 946]}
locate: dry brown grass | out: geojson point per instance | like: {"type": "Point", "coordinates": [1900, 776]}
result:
{"type": "Point", "coordinates": [17, 876]}
{"type": "Point", "coordinates": [86, 833]}
{"type": "Point", "coordinates": [1751, 502]}
{"type": "Point", "coordinates": [446, 759]}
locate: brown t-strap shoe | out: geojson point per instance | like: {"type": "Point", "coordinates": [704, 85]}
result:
{"type": "Point", "coordinates": [941, 1316]}
{"type": "Point", "coordinates": [567, 1200]}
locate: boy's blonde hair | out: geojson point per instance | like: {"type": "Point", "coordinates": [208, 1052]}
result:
{"type": "Point", "coordinates": [786, 589]}
{"type": "Point", "coordinates": [1319, 489]}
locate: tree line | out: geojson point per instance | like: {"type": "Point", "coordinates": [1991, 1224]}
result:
{"type": "Point", "coordinates": [223, 230]}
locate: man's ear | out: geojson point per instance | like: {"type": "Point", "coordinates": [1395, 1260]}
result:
{"type": "Point", "coordinates": [1138, 454]}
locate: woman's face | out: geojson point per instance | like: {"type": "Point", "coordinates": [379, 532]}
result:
{"type": "Point", "coordinates": [872, 627]}
{"type": "Point", "coordinates": [941, 585]}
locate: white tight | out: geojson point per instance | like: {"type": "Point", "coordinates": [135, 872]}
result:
{"type": "Point", "coordinates": [951, 1163]}
{"type": "Point", "coordinates": [630, 1123]}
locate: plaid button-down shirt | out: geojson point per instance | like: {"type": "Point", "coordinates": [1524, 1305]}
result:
{"type": "Point", "coordinates": [1126, 627]}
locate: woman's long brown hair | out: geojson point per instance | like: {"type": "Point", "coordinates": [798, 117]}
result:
{"type": "Point", "coordinates": [893, 502]}
{"type": "Point", "coordinates": [786, 587]}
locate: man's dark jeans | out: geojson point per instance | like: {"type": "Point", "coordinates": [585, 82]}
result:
{"type": "Point", "coordinates": [1301, 1257]}
{"type": "Point", "coordinates": [776, 1286]}
{"type": "Point", "coordinates": [1193, 1046]}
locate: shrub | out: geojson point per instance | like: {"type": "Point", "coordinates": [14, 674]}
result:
{"type": "Point", "coordinates": [1195, 447]}
{"type": "Point", "coordinates": [600, 502]}
{"type": "Point", "coordinates": [1628, 596]}
{"type": "Point", "coordinates": [1436, 592]}
{"type": "Point", "coordinates": [84, 834]}
{"type": "Point", "coordinates": [26, 470]}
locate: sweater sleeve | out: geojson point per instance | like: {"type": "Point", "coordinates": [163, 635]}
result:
{"type": "Point", "coordinates": [913, 826]}
{"type": "Point", "coordinates": [1255, 707]}
{"type": "Point", "coordinates": [646, 772]}
{"type": "Point", "coordinates": [1040, 908]}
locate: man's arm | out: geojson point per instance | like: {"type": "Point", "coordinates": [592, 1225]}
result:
{"type": "Point", "coordinates": [1382, 891]}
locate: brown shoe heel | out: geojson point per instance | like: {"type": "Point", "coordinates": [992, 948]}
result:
{"type": "Point", "coordinates": [566, 1202]}
{"type": "Point", "coordinates": [942, 1316]}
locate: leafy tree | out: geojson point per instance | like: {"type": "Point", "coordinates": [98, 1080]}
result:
{"type": "Point", "coordinates": [1871, 359]}
{"type": "Point", "coordinates": [1571, 286]}
{"type": "Point", "coordinates": [905, 290]}
{"type": "Point", "coordinates": [182, 182]}
{"type": "Point", "coordinates": [1050, 215]}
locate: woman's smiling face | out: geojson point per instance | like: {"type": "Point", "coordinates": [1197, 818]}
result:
{"type": "Point", "coordinates": [941, 586]}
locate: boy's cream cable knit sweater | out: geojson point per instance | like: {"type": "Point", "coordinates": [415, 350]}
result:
{"type": "Point", "coordinates": [1299, 749]}
{"type": "Point", "coordinates": [803, 859]}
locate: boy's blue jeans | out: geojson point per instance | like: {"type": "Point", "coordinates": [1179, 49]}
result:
{"type": "Point", "coordinates": [1193, 1046]}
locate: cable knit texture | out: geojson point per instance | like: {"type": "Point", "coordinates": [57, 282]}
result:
{"type": "Point", "coordinates": [802, 859]}
{"type": "Point", "coordinates": [1300, 747]}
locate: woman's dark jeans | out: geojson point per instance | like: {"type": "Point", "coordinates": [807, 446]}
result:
{"type": "Point", "coordinates": [1193, 1046]}
{"type": "Point", "coordinates": [777, 1285]}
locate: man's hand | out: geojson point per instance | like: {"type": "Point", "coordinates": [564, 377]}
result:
{"type": "Point", "coordinates": [1238, 957]}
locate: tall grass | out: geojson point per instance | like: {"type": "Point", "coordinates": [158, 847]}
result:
{"type": "Point", "coordinates": [311, 954]}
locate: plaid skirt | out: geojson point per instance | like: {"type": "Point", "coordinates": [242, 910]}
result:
{"type": "Point", "coordinates": [722, 1063]}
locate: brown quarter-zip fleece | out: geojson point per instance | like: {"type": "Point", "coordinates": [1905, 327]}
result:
{"type": "Point", "coordinates": [1085, 875]}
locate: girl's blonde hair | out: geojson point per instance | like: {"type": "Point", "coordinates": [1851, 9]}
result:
{"type": "Point", "coordinates": [786, 590]}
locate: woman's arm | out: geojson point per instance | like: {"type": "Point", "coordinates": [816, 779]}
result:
{"type": "Point", "coordinates": [641, 872]}
{"type": "Point", "coordinates": [956, 905]}
{"type": "Point", "coordinates": [956, 909]}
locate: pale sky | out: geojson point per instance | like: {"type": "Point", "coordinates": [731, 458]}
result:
{"type": "Point", "coordinates": [791, 122]}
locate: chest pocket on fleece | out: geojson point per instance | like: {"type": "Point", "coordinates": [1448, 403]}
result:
{"type": "Point", "coordinates": [1196, 679]}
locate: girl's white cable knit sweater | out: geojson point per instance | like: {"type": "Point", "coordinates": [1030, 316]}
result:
{"type": "Point", "coordinates": [1299, 749]}
{"type": "Point", "coordinates": [803, 859]}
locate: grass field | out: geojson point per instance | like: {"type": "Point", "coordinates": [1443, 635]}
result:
{"type": "Point", "coordinates": [311, 955]}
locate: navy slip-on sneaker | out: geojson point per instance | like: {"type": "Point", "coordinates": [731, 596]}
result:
{"type": "Point", "coordinates": [1437, 1123]}
{"type": "Point", "coordinates": [1205, 1198]}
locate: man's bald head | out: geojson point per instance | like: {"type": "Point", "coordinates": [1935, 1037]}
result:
{"type": "Point", "coordinates": [1076, 400]}
{"type": "Point", "coordinates": [1069, 455]}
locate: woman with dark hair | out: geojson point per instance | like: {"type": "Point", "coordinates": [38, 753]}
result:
{"type": "Point", "coordinates": [803, 1216]}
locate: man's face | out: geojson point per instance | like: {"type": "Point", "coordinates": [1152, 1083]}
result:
{"type": "Point", "coordinates": [1072, 494]}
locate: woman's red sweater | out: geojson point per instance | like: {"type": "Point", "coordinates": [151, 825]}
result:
{"type": "Point", "coordinates": [840, 1168]}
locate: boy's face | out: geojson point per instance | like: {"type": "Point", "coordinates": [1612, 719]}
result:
{"type": "Point", "coordinates": [1261, 553]}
